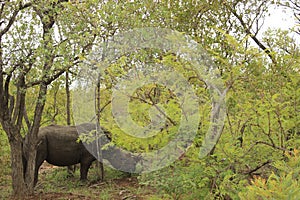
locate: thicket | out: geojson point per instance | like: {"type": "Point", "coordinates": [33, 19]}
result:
{"type": "Point", "coordinates": [257, 155]}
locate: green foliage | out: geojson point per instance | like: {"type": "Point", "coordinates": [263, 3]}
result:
{"type": "Point", "coordinates": [282, 184]}
{"type": "Point", "coordinates": [263, 98]}
{"type": "Point", "coordinates": [192, 178]}
{"type": "Point", "coordinates": [5, 170]}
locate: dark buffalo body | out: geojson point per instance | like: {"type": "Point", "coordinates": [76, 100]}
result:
{"type": "Point", "coordinates": [58, 145]}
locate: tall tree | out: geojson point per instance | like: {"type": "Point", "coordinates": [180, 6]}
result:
{"type": "Point", "coordinates": [32, 55]}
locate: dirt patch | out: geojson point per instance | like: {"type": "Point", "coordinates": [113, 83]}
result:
{"type": "Point", "coordinates": [124, 188]}
{"type": "Point", "coordinates": [126, 182]}
{"type": "Point", "coordinates": [55, 195]}
{"type": "Point", "coordinates": [45, 167]}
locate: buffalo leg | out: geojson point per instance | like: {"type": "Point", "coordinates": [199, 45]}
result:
{"type": "Point", "coordinates": [40, 158]}
{"type": "Point", "coordinates": [84, 168]}
{"type": "Point", "coordinates": [37, 167]}
{"type": "Point", "coordinates": [71, 170]}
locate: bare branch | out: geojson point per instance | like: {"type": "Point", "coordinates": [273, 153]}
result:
{"type": "Point", "coordinates": [271, 145]}
{"type": "Point", "coordinates": [101, 109]}
{"type": "Point", "coordinates": [258, 167]}
{"type": "Point", "coordinates": [248, 32]}
{"type": "Point", "coordinates": [6, 86]}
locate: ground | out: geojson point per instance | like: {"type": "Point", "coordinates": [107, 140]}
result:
{"type": "Point", "coordinates": [121, 192]}
{"type": "Point", "coordinates": [55, 183]}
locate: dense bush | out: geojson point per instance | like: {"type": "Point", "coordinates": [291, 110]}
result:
{"type": "Point", "coordinates": [283, 183]}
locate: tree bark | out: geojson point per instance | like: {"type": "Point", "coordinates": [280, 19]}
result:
{"type": "Point", "coordinates": [71, 169]}
{"type": "Point", "coordinates": [31, 143]}
{"type": "Point", "coordinates": [16, 145]}
{"type": "Point", "coordinates": [18, 183]}
{"type": "Point", "coordinates": [68, 99]}
{"type": "Point", "coordinates": [98, 110]}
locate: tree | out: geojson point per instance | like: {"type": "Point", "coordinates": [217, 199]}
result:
{"type": "Point", "coordinates": [32, 56]}
{"type": "Point", "coordinates": [42, 40]}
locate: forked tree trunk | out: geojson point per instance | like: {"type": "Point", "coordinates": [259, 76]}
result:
{"type": "Point", "coordinates": [22, 182]}
{"type": "Point", "coordinates": [23, 170]}
{"type": "Point", "coordinates": [32, 138]}
{"type": "Point", "coordinates": [19, 186]}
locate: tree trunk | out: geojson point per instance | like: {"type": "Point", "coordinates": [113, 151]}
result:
{"type": "Point", "coordinates": [68, 99]}
{"type": "Point", "coordinates": [19, 187]}
{"type": "Point", "coordinates": [30, 167]}
{"type": "Point", "coordinates": [99, 146]}
{"type": "Point", "coordinates": [72, 168]}
{"type": "Point", "coordinates": [30, 145]}
{"type": "Point", "coordinates": [15, 139]}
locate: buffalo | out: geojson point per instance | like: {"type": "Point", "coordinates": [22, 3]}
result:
{"type": "Point", "coordinates": [59, 146]}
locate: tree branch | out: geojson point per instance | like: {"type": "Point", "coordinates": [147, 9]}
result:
{"type": "Point", "coordinates": [13, 17]}
{"type": "Point", "coordinates": [27, 119]}
{"type": "Point", "coordinates": [22, 96]}
{"type": "Point", "coordinates": [49, 79]}
{"type": "Point", "coordinates": [153, 104]}
{"type": "Point", "coordinates": [248, 32]}
{"type": "Point", "coordinates": [258, 167]}
{"type": "Point", "coordinates": [101, 109]}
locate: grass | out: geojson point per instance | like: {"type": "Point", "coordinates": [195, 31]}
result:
{"type": "Point", "coordinates": [56, 183]}
{"type": "Point", "coordinates": [5, 171]}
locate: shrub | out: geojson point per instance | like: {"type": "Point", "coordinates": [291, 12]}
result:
{"type": "Point", "coordinates": [281, 185]}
